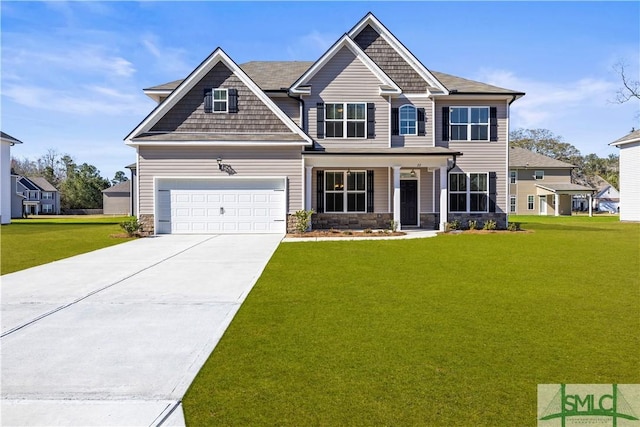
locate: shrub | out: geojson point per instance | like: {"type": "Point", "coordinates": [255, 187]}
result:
{"type": "Point", "coordinates": [393, 226]}
{"type": "Point", "coordinates": [368, 231]}
{"type": "Point", "coordinates": [490, 225]}
{"type": "Point", "coordinates": [303, 220]}
{"type": "Point", "coordinates": [454, 225]}
{"type": "Point", "coordinates": [473, 224]}
{"type": "Point", "coordinates": [131, 226]}
{"type": "Point", "coordinates": [513, 226]}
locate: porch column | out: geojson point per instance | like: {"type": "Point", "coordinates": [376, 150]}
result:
{"type": "Point", "coordinates": [307, 187]}
{"type": "Point", "coordinates": [590, 205]}
{"type": "Point", "coordinates": [557, 199]}
{"type": "Point", "coordinates": [443, 198]}
{"type": "Point", "coordinates": [396, 196]}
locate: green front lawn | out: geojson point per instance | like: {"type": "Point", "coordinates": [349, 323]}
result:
{"type": "Point", "coordinates": [453, 330]}
{"type": "Point", "coordinates": [29, 242]}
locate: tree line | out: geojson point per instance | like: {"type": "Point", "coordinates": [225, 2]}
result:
{"type": "Point", "coordinates": [80, 185]}
{"type": "Point", "coordinates": [590, 169]}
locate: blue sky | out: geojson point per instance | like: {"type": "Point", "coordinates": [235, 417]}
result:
{"type": "Point", "coordinates": [73, 72]}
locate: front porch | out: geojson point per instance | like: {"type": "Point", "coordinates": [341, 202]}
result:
{"type": "Point", "coordinates": [376, 189]}
{"type": "Point", "coordinates": [557, 199]}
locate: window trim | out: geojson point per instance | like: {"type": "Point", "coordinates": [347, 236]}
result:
{"type": "Point", "coordinates": [513, 177]}
{"type": "Point", "coordinates": [415, 120]}
{"type": "Point", "coordinates": [513, 204]}
{"type": "Point", "coordinates": [468, 192]}
{"type": "Point", "coordinates": [531, 202]}
{"type": "Point", "coordinates": [469, 123]}
{"type": "Point", "coordinates": [345, 191]}
{"type": "Point", "coordinates": [345, 120]}
{"type": "Point", "coordinates": [213, 100]}
{"type": "Point", "coordinates": [538, 172]}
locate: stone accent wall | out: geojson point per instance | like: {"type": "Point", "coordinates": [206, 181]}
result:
{"type": "Point", "coordinates": [430, 221]}
{"type": "Point", "coordinates": [499, 218]}
{"type": "Point", "coordinates": [361, 221]}
{"type": "Point", "coordinates": [146, 220]}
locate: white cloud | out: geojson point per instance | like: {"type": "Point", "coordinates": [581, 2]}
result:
{"type": "Point", "coordinates": [85, 101]}
{"type": "Point", "coordinates": [172, 61]}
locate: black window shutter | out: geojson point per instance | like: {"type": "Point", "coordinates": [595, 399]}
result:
{"type": "Point", "coordinates": [445, 123]}
{"type": "Point", "coordinates": [492, 191]}
{"type": "Point", "coordinates": [421, 122]}
{"type": "Point", "coordinates": [371, 120]}
{"type": "Point", "coordinates": [233, 100]}
{"type": "Point", "coordinates": [320, 120]}
{"type": "Point", "coordinates": [369, 191]}
{"type": "Point", "coordinates": [320, 191]}
{"type": "Point", "coordinates": [208, 100]}
{"type": "Point", "coordinates": [395, 121]}
{"type": "Point", "coordinates": [493, 124]}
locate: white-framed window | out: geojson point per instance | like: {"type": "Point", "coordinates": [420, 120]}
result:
{"type": "Point", "coordinates": [458, 192]}
{"type": "Point", "coordinates": [346, 120]}
{"type": "Point", "coordinates": [512, 204]}
{"type": "Point", "coordinates": [220, 101]}
{"type": "Point", "coordinates": [47, 195]}
{"type": "Point", "coordinates": [530, 202]}
{"type": "Point", "coordinates": [469, 123]}
{"type": "Point", "coordinates": [479, 192]}
{"type": "Point", "coordinates": [538, 175]}
{"type": "Point", "coordinates": [469, 193]}
{"type": "Point", "coordinates": [47, 208]}
{"type": "Point", "coordinates": [408, 117]}
{"type": "Point", "coordinates": [513, 177]}
{"type": "Point", "coordinates": [345, 191]}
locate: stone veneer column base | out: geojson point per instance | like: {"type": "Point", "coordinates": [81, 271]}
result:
{"type": "Point", "coordinates": [361, 221]}
{"type": "Point", "coordinates": [147, 222]}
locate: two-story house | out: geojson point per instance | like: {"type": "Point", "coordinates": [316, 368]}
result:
{"type": "Point", "coordinates": [6, 142]}
{"type": "Point", "coordinates": [34, 196]}
{"type": "Point", "coordinates": [629, 146]}
{"type": "Point", "coordinates": [363, 136]}
{"type": "Point", "coordinates": [541, 185]}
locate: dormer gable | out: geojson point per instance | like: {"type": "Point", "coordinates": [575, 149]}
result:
{"type": "Point", "coordinates": [394, 58]}
{"type": "Point", "coordinates": [217, 103]}
{"type": "Point", "coordinates": [387, 85]}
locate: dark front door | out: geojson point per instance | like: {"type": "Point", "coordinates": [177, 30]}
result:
{"type": "Point", "coordinates": [409, 202]}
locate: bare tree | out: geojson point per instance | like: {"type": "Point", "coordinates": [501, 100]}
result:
{"type": "Point", "coordinates": [630, 87]}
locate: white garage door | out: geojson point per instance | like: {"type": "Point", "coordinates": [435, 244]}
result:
{"type": "Point", "coordinates": [221, 206]}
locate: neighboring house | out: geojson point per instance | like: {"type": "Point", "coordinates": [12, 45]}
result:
{"type": "Point", "coordinates": [6, 142]}
{"type": "Point", "coordinates": [363, 136]}
{"type": "Point", "coordinates": [134, 189]}
{"type": "Point", "coordinates": [35, 196]}
{"type": "Point", "coordinates": [116, 200]}
{"type": "Point", "coordinates": [607, 199]}
{"type": "Point", "coordinates": [629, 146]}
{"type": "Point", "coordinates": [541, 185]}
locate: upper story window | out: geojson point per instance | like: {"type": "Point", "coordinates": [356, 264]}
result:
{"type": "Point", "coordinates": [219, 100]}
{"type": "Point", "coordinates": [47, 195]}
{"type": "Point", "coordinates": [469, 124]}
{"type": "Point", "coordinates": [538, 175]}
{"type": "Point", "coordinates": [513, 176]}
{"type": "Point", "coordinates": [408, 120]}
{"type": "Point", "coordinates": [346, 119]}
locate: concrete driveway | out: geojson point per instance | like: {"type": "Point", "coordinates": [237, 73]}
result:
{"type": "Point", "coordinates": [116, 336]}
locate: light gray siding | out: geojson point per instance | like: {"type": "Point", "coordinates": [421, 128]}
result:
{"type": "Point", "coordinates": [426, 191]}
{"type": "Point", "coordinates": [196, 161]}
{"type": "Point", "coordinates": [481, 156]}
{"type": "Point", "coordinates": [414, 140]}
{"type": "Point", "coordinates": [346, 79]}
{"type": "Point", "coordinates": [629, 179]}
{"type": "Point", "coordinates": [116, 204]}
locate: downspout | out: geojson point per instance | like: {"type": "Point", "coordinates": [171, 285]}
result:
{"type": "Point", "coordinates": [449, 169]}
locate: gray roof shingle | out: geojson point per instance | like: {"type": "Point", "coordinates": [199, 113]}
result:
{"type": "Point", "coordinates": [279, 75]}
{"type": "Point", "coordinates": [634, 136]}
{"type": "Point", "coordinates": [519, 157]}
{"type": "Point", "coordinates": [121, 187]}
{"type": "Point", "coordinates": [9, 138]}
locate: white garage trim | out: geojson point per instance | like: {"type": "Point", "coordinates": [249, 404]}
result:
{"type": "Point", "coordinates": [206, 205]}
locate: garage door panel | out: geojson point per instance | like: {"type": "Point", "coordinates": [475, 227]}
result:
{"type": "Point", "coordinates": [221, 206]}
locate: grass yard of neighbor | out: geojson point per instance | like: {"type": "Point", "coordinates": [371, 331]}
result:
{"type": "Point", "coordinates": [38, 240]}
{"type": "Point", "coordinates": [456, 330]}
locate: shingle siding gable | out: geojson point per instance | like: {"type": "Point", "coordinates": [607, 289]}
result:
{"type": "Point", "coordinates": [188, 114]}
{"type": "Point", "coordinates": [390, 61]}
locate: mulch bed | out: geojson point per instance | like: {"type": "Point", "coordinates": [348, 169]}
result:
{"type": "Point", "coordinates": [346, 233]}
